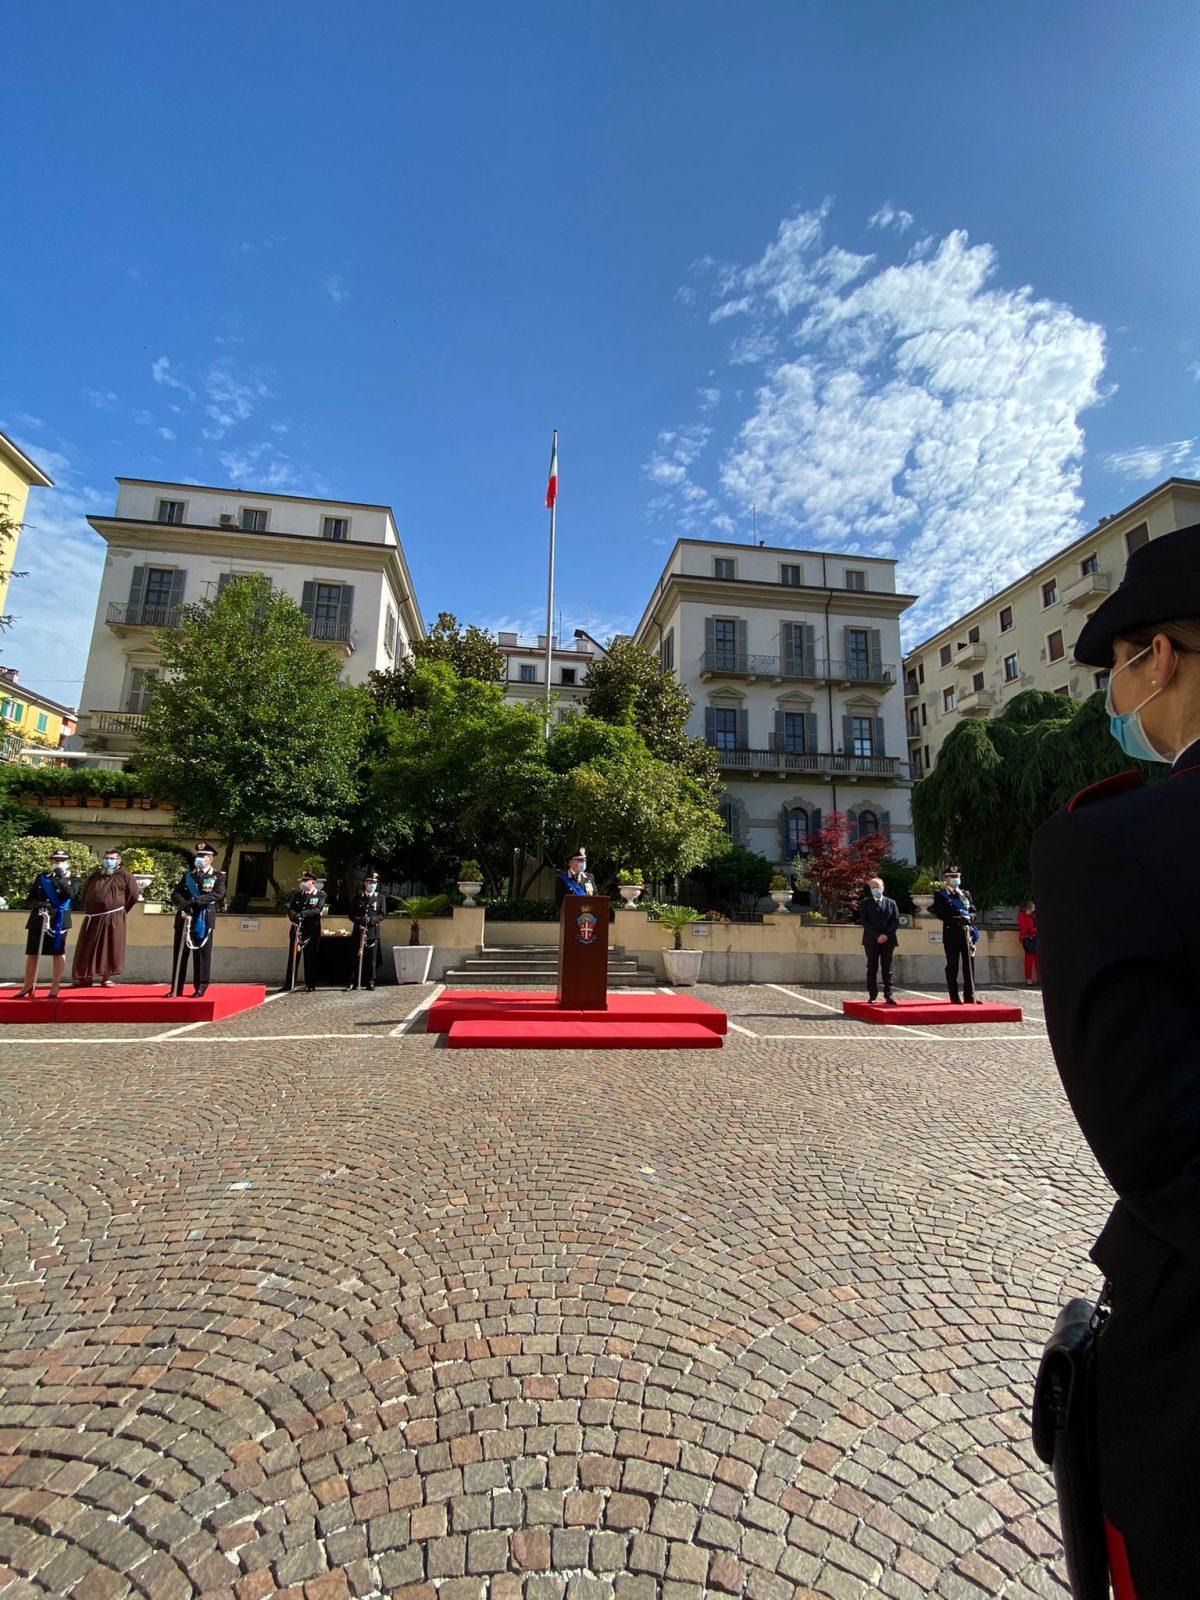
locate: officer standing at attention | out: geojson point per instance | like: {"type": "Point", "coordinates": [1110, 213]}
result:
{"type": "Point", "coordinates": [959, 935]}
{"type": "Point", "coordinates": [49, 901]}
{"type": "Point", "coordinates": [305, 910]}
{"type": "Point", "coordinates": [1117, 878]}
{"type": "Point", "coordinates": [880, 919]}
{"type": "Point", "coordinates": [197, 897]}
{"type": "Point", "coordinates": [366, 914]}
{"type": "Point", "coordinates": [575, 880]}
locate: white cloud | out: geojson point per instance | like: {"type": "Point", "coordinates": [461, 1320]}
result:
{"type": "Point", "coordinates": [709, 398]}
{"type": "Point", "coordinates": [263, 467]}
{"type": "Point", "coordinates": [102, 399]}
{"type": "Point", "coordinates": [890, 216]}
{"type": "Point", "coordinates": [167, 433]}
{"type": "Point", "coordinates": [160, 370]}
{"type": "Point", "coordinates": [334, 286]}
{"type": "Point", "coordinates": [232, 396]}
{"type": "Point", "coordinates": [919, 407]}
{"type": "Point", "coordinates": [1153, 460]}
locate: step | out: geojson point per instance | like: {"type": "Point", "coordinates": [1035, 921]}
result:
{"type": "Point", "coordinates": [475, 964]}
{"type": "Point", "coordinates": [536, 979]}
{"type": "Point", "coordinates": [529, 1035]}
{"type": "Point", "coordinates": [537, 1006]}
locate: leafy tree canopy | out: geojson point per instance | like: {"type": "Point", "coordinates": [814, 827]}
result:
{"type": "Point", "coordinates": [839, 866]}
{"type": "Point", "coordinates": [249, 733]}
{"type": "Point", "coordinates": [469, 652]}
{"type": "Point", "coordinates": [736, 879]}
{"type": "Point", "coordinates": [628, 686]}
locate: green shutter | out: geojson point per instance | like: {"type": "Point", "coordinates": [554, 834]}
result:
{"type": "Point", "coordinates": [345, 610]}
{"type": "Point", "coordinates": [879, 747]}
{"type": "Point", "coordinates": [848, 736]}
{"type": "Point", "coordinates": [137, 591]}
{"type": "Point", "coordinates": [308, 600]}
{"type": "Point", "coordinates": [178, 585]}
{"type": "Point", "coordinates": [875, 646]}
{"type": "Point", "coordinates": [777, 738]}
{"type": "Point", "coordinates": [740, 635]}
{"type": "Point", "coordinates": [710, 725]}
{"type": "Point", "coordinates": [810, 732]}
{"type": "Point", "coordinates": [743, 730]}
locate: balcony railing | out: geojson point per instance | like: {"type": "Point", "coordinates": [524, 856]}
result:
{"type": "Point", "coordinates": [976, 704]}
{"type": "Point", "coordinates": [821, 763]}
{"type": "Point", "coordinates": [116, 721]}
{"type": "Point", "coordinates": [971, 655]}
{"type": "Point", "coordinates": [1088, 587]}
{"type": "Point", "coordinates": [329, 632]}
{"type": "Point", "coordinates": [739, 664]}
{"type": "Point", "coordinates": [121, 615]}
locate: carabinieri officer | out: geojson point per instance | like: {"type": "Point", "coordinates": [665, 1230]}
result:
{"type": "Point", "coordinates": [575, 880]}
{"type": "Point", "coordinates": [197, 897]}
{"type": "Point", "coordinates": [367, 912]}
{"type": "Point", "coordinates": [305, 910]}
{"type": "Point", "coordinates": [954, 906]}
{"type": "Point", "coordinates": [1117, 881]}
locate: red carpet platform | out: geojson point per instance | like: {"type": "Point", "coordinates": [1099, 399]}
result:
{"type": "Point", "coordinates": [925, 1012]}
{"type": "Point", "coordinates": [131, 1002]}
{"type": "Point", "coordinates": [478, 1019]}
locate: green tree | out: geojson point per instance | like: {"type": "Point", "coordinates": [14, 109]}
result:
{"type": "Point", "coordinates": [628, 686]}
{"type": "Point", "coordinates": [996, 782]}
{"type": "Point", "coordinates": [736, 879]}
{"type": "Point", "coordinates": [249, 733]}
{"type": "Point", "coordinates": [469, 652]}
{"type": "Point", "coordinates": [10, 532]}
{"type": "Point", "coordinates": [22, 859]}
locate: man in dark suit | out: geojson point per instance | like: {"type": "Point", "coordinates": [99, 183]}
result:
{"type": "Point", "coordinates": [880, 918]}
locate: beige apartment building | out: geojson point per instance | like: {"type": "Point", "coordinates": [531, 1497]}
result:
{"type": "Point", "coordinates": [1024, 636]}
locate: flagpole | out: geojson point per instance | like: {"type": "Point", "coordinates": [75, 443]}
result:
{"type": "Point", "coordinates": [550, 588]}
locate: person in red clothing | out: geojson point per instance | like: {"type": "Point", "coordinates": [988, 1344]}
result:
{"type": "Point", "coordinates": [1027, 933]}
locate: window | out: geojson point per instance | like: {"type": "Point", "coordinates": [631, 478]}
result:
{"type": "Point", "coordinates": [910, 683]}
{"type": "Point", "coordinates": [666, 651]}
{"type": "Point", "coordinates": [725, 642]}
{"type": "Point", "coordinates": [252, 878]}
{"type": "Point", "coordinates": [1054, 645]}
{"type": "Point", "coordinates": [137, 694]}
{"type": "Point", "coordinates": [924, 716]}
{"type": "Point", "coordinates": [526, 673]}
{"type": "Point", "coordinates": [1065, 689]}
{"type": "Point", "coordinates": [723, 567]}
{"type": "Point", "coordinates": [335, 528]}
{"type": "Point", "coordinates": [724, 722]}
{"type": "Point", "coordinates": [389, 632]}
{"type": "Point", "coordinates": [914, 722]}
{"type": "Point", "coordinates": [1089, 564]}
{"type": "Point", "coordinates": [947, 699]}
{"type": "Point", "coordinates": [1010, 669]}
{"type": "Point", "coordinates": [1050, 592]}
{"type": "Point", "coordinates": [920, 672]}
{"type": "Point", "coordinates": [160, 584]}
{"type": "Point", "coordinates": [862, 736]}
{"type": "Point", "coordinates": [977, 682]}
{"type": "Point", "coordinates": [795, 733]}
{"type": "Point", "coordinates": [568, 675]}
{"type": "Point", "coordinates": [1136, 538]}
{"type": "Point", "coordinates": [944, 655]}
{"type": "Point", "coordinates": [928, 763]}
{"type": "Point", "coordinates": [796, 829]}
{"type": "Point", "coordinates": [1100, 680]}
{"type": "Point", "coordinates": [868, 822]}
{"type": "Point", "coordinates": [916, 763]}
{"type": "Point", "coordinates": [856, 579]}
{"type": "Point", "coordinates": [13, 710]}
{"type": "Point", "coordinates": [253, 521]}
{"type": "Point", "coordinates": [727, 812]}
{"type": "Point", "coordinates": [43, 722]}
{"type": "Point", "coordinates": [972, 635]}
{"type": "Point", "coordinates": [858, 644]}
{"type": "Point", "coordinates": [327, 602]}
{"type": "Point", "coordinates": [791, 575]}
{"type": "Point", "coordinates": [1006, 619]}
{"type": "Point", "coordinates": [170, 510]}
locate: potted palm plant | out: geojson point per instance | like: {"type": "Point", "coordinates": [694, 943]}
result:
{"type": "Point", "coordinates": [470, 881]}
{"type": "Point", "coordinates": [630, 885]}
{"type": "Point", "coordinates": [683, 966]}
{"type": "Point", "coordinates": [413, 959]}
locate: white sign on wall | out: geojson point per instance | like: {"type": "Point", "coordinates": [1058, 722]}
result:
{"type": "Point", "coordinates": [249, 924]}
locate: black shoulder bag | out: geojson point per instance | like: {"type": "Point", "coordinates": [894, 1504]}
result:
{"type": "Point", "coordinates": [1064, 1437]}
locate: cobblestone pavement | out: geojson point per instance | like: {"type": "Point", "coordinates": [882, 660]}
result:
{"type": "Point", "coordinates": [297, 1304]}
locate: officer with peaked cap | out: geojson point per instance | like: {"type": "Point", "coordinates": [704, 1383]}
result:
{"type": "Point", "coordinates": [575, 879]}
{"type": "Point", "coordinates": [196, 897]}
{"type": "Point", "coordinates": [1117, 880]}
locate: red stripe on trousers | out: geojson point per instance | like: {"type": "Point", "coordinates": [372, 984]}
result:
{"type": "Point", "coordinates": [1118, 1564]}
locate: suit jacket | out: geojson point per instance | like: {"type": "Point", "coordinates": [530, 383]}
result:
{"type": "Point", "coordinates": [878, 916]}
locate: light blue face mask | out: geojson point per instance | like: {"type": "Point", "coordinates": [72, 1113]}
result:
{"type": "Point", "coordinates": [1126, 726]}
{"type": "Point", "coordinates": [878, 893]}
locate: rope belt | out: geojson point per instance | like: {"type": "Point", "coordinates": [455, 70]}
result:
{"type": "Point", "coordinates": [111, 912]}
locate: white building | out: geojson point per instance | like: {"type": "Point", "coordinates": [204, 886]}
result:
{"type": "Point", "coordinates": [793, 660]}
{"type": "Point", "coordinates": [525, 669]}
{"type": "Point", "coordinates": [173, 543]}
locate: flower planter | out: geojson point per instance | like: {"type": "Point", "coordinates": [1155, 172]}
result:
{"type": "Point", "coordinates": [469, 889]}
{"type": "Point", "coordinates": [143, 881]}
{"type": "Point", "coordinates": [922, 903]}
{"type": "Point", "coordinates": [631, 892]}
{"type": "Point", "coordinates": [782, 898]}
{"type": "Point", "coordinates": [683, 966]}
{"type": "Point", "coordinates": [94, 802]}
{"type": "Point", "coordinates": [412, 962]}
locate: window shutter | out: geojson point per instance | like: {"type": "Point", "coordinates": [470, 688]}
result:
{"type": "Point", "coordinates": [846, 647]}
{"type": "Point", "coordinates": [710, 638]}
{"type": "Point", "coordinates": [741, 642]}
{"type": "Point", "coordinates": [885, 825]}
{"type": "Point", "coordinates": [783, 833]}
{"type": "Point", "coordinates": [810, 732]}
{"type": "Point", "coordinates": [710, 725]}
{"type": "Point", "coordinates": [345, 610]}
{"type": "Point", "coordinates": [814, 823]}
{"type": "Point", "coordinates": [808, 647]}
{"type": "Point", "coordinates": [178, 584]}
{"type": "Point", "coordinates": [308, 600]}
{"type": "Point", "coordinates": [223, 581]}
{"type": "Point", "coordinates": [137, 590]}
{"type": "Point", "coordinates": [878, 747]}
{"type": "Point", "coordinates": [848, 736]}
{"type": "Point", "coordinates": [852, 821]}
{"type": "Point", "coordinates": [777, 737]}
{"type": "Point", "coordinates": [743, 730]}
{"type": "Point", "coordinates": [876, 649]}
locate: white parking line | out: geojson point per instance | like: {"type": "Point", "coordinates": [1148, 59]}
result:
{"type": "Point", "coordinates": [908, 1028]}
{"type": "Point", "coordinates": [737, 1028]}
{"type": "Point", "coordinates": [409, 1024]}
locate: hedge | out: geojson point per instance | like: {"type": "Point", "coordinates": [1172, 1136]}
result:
{"type": "Point", "coordinates": [520, 910]}
{"type": "Point", "coordinates": [63, 782]}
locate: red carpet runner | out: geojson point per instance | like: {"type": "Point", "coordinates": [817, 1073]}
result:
{"type": "Point", "coordinates": [473, 1019]}
{"type": "Point", "coordinates": [925, 1012]}
{"type": "Point", "coordinates": [131, 1002]}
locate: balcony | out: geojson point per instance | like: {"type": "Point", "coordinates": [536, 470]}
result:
{"type": "Point", "coordinates": [124, 619]}
{"type": "Point", "coordinates": [335, 634]}
{"type": "Point", "coordinates": [111, 730]}
{"type": "Point", "coordinates": [737, 664]}
{"type": "Point", "coordinates": [869, 672]}
{"type": "Point", "coordinates": [971, 655]}
{"type": "Point", "coordinates": [1091, 586]}
{"type": "Point", "coordinates": [820, 764]}
{"type": "Point", "coordinates": [912, 689]}
{"type": "Point", "coordinates": [976, 704]}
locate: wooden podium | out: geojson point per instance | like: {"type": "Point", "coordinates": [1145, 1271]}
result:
{"type": "Point", "coordinates": [583, 952]}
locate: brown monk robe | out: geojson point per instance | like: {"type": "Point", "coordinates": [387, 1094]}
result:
{"type": "Point", "coordinates": [100, 948]}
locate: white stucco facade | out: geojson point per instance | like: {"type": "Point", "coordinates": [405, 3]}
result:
{"type": "Point", "coordinates": [792, 658]}
{"type": "Point", "coordinates": [525, 669]}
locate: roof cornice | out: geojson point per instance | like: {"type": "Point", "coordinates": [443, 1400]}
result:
{"type": "Point", "coordinates": [23, 465]}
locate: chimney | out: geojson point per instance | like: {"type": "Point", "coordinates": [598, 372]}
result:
{"type": "Point", "coordinates": [9, 674]}
{"type": "Point", "coordinates": [509, 639]}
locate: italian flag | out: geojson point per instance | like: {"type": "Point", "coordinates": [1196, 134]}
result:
{"type": "Point", "coordinates": [552, 481]}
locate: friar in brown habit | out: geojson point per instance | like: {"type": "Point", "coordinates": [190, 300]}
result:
{"type": "Point", "coordinates": [107, 897]}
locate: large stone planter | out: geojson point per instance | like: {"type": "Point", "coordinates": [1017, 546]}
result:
{"type": "Point", "coordinates": [922, 903]}
{"type": "Point", "coordinates": [683, 966]}
{"type": "Point", "coordinates": [412, 962]}
{"type": "Point", "coordinates": [782, 898]}
{"type": "Point", "coordinates": [469, 889]}
{"type": "Point", "coordinates": [630, 892]}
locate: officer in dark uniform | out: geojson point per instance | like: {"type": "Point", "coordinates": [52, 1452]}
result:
{"type": "Point", "coordinates": [305, 910]}
{"type": "Point", "coordinates": [576, 879]}
{"type": "Point", "coordinates": [954, 906]}
{"type": "Point", "coordinates": [197, 898]}
{"type": "Point", "coordinates": [1117, 880]}
{"type": "Point", "coordinates": [367, 912]}
{"type": "Point", "coordinates": [49, 901]}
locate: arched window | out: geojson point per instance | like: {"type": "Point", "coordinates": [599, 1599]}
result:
{"type": "Point", "coordinates": [868, 822]}
{"type": "Point", "coordinates": [728, 815]}
{"type": "Point", "coordinates": [797, 829]}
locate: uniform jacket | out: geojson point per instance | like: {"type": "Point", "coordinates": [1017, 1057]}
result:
{"type": "Point", "coordinates": [212, 891]}
{"type": "Point", "coordinates": [306, 905]}
{"type": "Point", "coordinates": [565, 884]}
{"type": "Point", "coordinates": [368, 911]}
{"type": "Point", "coordinates": [952, 906]}
{"type": "Point", "coordinates": [1116, 883]}
{"type": "Point", "coordinates": [37, 898]}
{"type": "Point", "coordinates": [876, 917]}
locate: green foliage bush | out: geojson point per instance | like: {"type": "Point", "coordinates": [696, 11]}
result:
{"type": "Point", "coordinates": [62, 782]}
{"type": "Point", "coordinates": [24, 858]}
{"type": "Point", "coordinates": [506, 910]}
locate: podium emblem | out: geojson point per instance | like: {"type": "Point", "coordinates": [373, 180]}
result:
{"type": "Point", "coordinates": [585, 927]}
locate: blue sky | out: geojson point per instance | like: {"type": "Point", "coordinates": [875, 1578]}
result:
{"type": "Point", "coordinates": [913, 278]}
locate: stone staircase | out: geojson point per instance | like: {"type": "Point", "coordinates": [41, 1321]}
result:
{"type": "Point", "coordinates": [535, 966]}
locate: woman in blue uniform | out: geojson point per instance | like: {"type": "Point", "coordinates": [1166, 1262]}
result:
{"type": "Point", "coordinates": [1117, 882]}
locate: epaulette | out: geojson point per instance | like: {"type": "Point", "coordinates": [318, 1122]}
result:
{"type": "Point", "coordinates": [1119, 783]}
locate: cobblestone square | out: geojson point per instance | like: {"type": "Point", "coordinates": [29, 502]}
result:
{"type": "Point", "coordinates": [304, 1304]}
